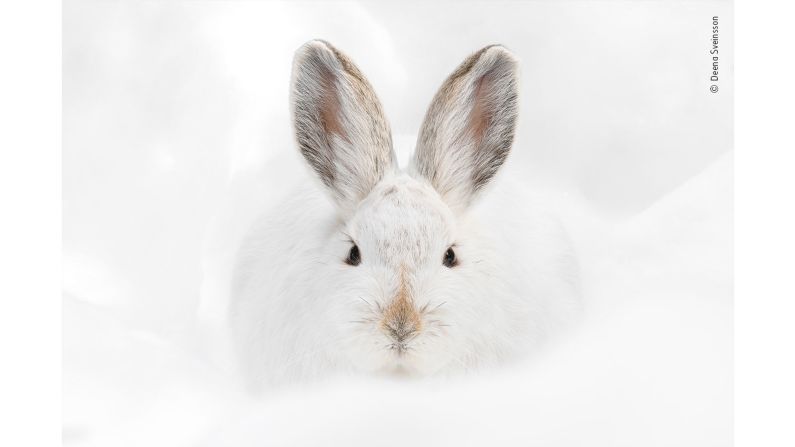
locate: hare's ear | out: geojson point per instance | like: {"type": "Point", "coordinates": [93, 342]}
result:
{"type": "Point", "coordinates": [469, 127]}
{"type": "Point", "coordinates": [340, 127]}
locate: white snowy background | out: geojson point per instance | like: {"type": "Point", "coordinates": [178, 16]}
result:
{"type": "Point", "coordinates": [176, 134]}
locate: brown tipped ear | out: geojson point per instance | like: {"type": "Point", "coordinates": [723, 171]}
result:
{"type": "Point", "coordinates": [469, 127]}
{"type": "Point", "coordinates": [339, 124]}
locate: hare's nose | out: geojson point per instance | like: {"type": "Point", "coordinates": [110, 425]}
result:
{"type": "Point", "coordinates": [401, 331]}
{"type": "Point", "coordinates": [401, 319]}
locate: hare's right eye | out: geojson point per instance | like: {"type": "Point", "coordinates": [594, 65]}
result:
{"type": "Point", "coordinates": [450, 259]}
{"type": "Point", "coordinates": [353, 256]}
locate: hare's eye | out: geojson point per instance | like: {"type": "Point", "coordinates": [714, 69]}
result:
{"type": "Point", "coordinates": [353, 256]}
{"type": "Point", "coordinates": [450, 260]}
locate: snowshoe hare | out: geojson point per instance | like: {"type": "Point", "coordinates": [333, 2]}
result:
{"type": "Point", "coordinates": [428, 270]}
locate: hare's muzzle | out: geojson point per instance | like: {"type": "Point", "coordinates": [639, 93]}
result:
{"type": "Point", "coordinates": [401, 320]}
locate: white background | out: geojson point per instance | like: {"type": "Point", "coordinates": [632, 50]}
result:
{"type": "Point", "coordinates": [765, 142]}
{"type": "Point", "coordinates": [175, 115]}
{"type": "Point", "coordinates": [168, 105]}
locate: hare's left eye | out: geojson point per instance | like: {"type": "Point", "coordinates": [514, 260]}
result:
{"type": "Point", "coordinates": [449, 260]}
{"type": "Point", "coordinates": [354, 258]}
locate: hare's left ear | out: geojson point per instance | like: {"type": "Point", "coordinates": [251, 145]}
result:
{"type": "Point", "coordinates": [469, 127]}
{"type": "Point", "coordinates": [340, 127]}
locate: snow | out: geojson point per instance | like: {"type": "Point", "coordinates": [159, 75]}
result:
{"type": "Point", "coordinates": [176, 131]}
{"type": "Point", "coordinates": [651, 365]}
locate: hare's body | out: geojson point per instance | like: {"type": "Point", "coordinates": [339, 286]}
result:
{"type": "Point", "coordinates": [402, 271]}
{"type": "Point", "coordinates": [289, 325]}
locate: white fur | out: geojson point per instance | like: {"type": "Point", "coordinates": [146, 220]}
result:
{"type": "Point", "coordinates": [298, 311]}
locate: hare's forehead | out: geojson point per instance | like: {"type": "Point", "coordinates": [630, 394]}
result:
{"type": "Point", "coordinates": [403, 213]}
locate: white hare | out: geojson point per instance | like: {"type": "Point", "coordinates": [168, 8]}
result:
{"type": "Point", "coordinates": [378, 269]}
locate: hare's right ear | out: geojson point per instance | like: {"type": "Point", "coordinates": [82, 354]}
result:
{"type": "Point", "coordinates": [469, 127]}
{"type": "Point", "coordinates": [339, 124]}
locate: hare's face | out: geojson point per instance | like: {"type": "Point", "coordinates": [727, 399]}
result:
{"type": "Point", "coordinates": [401, 259]}
{"type": "Point", "coordinates": [410, 290]}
